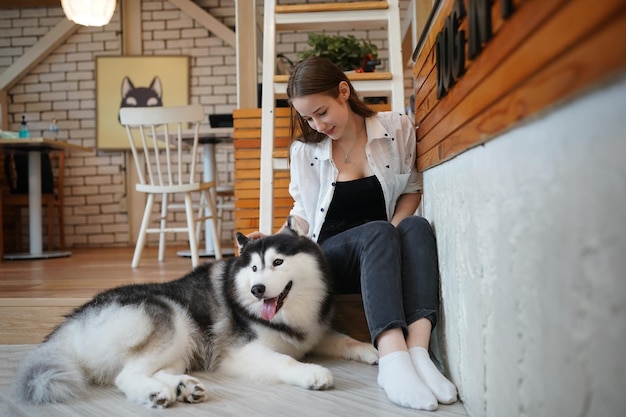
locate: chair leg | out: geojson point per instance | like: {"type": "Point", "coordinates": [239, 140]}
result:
{"type": "Point", "coordinates": [1, 230]}
{"type": "Point", "coordinates": [163, 225]}
{"type": "Point", "coordinates": [18, 230]}
{"type": "Point", "coordinates": [200, 216]}
{"type": "Point", "coordinates": [50, 214]}
{"type": "Point", "coordinates": [61, 219]}
{"type": "Point", "coordinates": [216, 235]}
{"type": "Point", "coordinates": [141, 239]}
{"type": "Point", "coordinates": [219, 204]}
{"type": "Point", "coordinates": [191, 225]}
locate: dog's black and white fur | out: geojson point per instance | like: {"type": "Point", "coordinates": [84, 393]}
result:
{"type": "Point", "coordinates": [251, 316]}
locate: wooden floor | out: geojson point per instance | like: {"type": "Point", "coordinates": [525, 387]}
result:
{"type": "Point", "coordinates": [86, 272]}
{"type": "Point", "coordinates": [34, 295]}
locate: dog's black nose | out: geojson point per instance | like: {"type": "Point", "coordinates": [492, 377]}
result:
{"type": "Point", "coordinates": [258, 290]}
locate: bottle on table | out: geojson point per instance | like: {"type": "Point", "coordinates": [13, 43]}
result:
{"type": "Point", "coordinates": [53, 129]}
{"type": "Point", "coordinates": [23, 132]}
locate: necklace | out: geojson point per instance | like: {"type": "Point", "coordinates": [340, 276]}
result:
{"type": "Point", "coordinates": [346, 155]}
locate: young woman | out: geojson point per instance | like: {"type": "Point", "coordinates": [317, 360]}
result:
{"type": "Point", "coordinates": [356, 189]}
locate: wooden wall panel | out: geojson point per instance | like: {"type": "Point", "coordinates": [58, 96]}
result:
{"type": "Point", "coordinates": [247, 144]}
{"type": "Point", "coordinates": [546, 52]}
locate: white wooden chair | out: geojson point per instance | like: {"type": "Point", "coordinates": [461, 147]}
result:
{"type": "Point", "coordinates": [169, 169]}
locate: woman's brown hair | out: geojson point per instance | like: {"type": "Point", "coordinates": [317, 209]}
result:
{"type": "Point", "coordinates": [317, 75]}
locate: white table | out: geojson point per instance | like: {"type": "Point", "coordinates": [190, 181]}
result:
{"type": "Point", "coordinates": [34, 147]}
{"type": "Point", "coordinates": [209, 140]}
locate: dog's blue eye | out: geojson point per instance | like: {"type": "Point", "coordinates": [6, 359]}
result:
{"type": "Point", "coordinates": [253, 268]}
{"type": "Point", "coordinates": [278, 262]}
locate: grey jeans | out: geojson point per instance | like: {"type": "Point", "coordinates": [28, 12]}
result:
{"type": "Point", "coordinates": [394, 269]}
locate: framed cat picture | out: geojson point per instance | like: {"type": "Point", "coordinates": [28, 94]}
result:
{"type": "Point", "coordinates": [137, 81]}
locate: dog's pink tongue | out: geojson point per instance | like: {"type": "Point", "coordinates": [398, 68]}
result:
{"type": "Point", "coordinates": [268, 311]}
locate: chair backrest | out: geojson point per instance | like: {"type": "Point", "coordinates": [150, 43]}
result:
{"type": "Point", "coordinates": [165, 135]}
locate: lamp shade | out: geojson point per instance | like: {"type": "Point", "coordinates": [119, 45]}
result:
{"type": "Point", "coordinates": [89, 12]}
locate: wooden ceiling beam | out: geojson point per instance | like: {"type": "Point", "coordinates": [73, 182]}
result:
{"type": "Point", "coordinates": [37, 53]}
{"type": "Point", "coordinates": [207, 20]}
{"type": "Point", "coordinates": [26, 4]}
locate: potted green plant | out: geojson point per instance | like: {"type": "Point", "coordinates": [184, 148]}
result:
{"type": "Point", "coordinates": [348, 52]}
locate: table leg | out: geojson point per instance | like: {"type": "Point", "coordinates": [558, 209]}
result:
{"type": "Point", "coordinates": [34, 203]}
{"type": "Point", "coordinates": [35, 230]}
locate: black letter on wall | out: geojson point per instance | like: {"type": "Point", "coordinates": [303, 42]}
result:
{"type": "Point", "coordinates": [506, 8]}
{"type": "Point", "coordinates": [479, 25]}
{"type": "Point", "coordinates": [440, 52]}
{"type": "Point", "coordinates": [457, 51]}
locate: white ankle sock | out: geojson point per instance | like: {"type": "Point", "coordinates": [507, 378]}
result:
{"type": "Point", "coordinates": [401, 383]}
{"type": "Point", "coordinates": [444, 390]}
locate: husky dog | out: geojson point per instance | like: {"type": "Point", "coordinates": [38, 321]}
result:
{"type": "Point", "coordinates": [251, 316]}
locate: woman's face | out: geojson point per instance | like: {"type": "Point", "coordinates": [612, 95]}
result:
{"type": "Point", "coordinates": [325, 114]}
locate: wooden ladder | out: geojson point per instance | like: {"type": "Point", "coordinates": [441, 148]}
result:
{"type": "Point", "coordinates": [317, 17]}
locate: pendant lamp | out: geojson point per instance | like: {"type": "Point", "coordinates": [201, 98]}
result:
{"type": "Point", "coordinates": [89, 12]}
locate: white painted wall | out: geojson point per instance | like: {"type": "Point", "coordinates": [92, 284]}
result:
{"type": "Point", "coordinates": [531, 230]}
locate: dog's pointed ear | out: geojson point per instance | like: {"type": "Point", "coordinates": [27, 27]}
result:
{"type": "Point", "coordinates": [292, 227]}
{"type": "Point", "coordinates": [242, 241]}
{"type": "Point", "coordinates": [287, 229]}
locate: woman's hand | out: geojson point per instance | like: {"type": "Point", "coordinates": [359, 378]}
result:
{"type": "Point", "coordinates": [297, 226]}
{"type": "Point", "coordinates": [405, 207]}
{"type": "Point", "coordinates": [255, 235]}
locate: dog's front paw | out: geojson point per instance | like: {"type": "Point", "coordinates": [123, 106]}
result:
{"type": "Point", "coordinates": [316, 377]}
{"type": "Point", "coordinates": [355, 350]}
{"type": "Point", "coordinates": [190, 390]}
{"type": "Point", "coordinates": [364, 352]}
{"type": "Point", "coordinates": [160, 399]}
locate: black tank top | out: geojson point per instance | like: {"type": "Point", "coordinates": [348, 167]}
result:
{"type": "Point", "coordinates": [354, 203]}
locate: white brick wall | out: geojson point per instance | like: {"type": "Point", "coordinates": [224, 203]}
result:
{"type": "Point", "coordinates": [63, 87]}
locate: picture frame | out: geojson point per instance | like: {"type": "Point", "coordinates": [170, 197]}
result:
{"type": "Point", "coordinates": [138, 81]}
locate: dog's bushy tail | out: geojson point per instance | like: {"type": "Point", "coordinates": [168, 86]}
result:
{"type": "Point", "coordinates": [48, 375]}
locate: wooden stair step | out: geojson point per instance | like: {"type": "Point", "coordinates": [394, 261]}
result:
{"type": "Point", "coordinates": [352, 76]}
{"type": "Point", "coordinates": [331, 7]}
{"type": "Point", "coordinates": [331, 16]}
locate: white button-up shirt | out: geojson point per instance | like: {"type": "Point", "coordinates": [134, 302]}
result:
{"type": "Point", "coordinates": [390, 151]}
